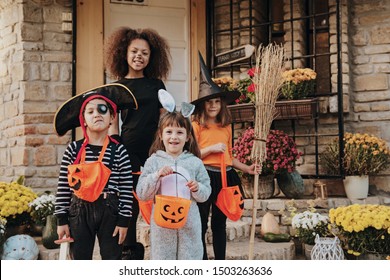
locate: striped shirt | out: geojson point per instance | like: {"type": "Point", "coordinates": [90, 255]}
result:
{"type": "Point", "coordinates": [120, 182]}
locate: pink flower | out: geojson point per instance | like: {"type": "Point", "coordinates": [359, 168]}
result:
{"type": "Point", "coordinates": [280, 149]}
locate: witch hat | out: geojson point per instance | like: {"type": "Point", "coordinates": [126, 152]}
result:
{"type": "Point", "coordinates": [209, 90]}
{"type": "Point", "coordinates": [118, 96]}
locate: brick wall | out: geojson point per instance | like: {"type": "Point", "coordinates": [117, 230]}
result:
{"type": "Point", "coordinates": [35, 78]}
{"type": "Point", "coordinates": [370, 74]}
{"type": "Point", "coordinates": [365, 48]}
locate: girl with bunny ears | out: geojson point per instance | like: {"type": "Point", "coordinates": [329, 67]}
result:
{"type": "Point", "coordinates": [174, 155]}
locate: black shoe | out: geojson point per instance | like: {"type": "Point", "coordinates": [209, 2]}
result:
{"type": "Point", "coordinates": [133, 252]}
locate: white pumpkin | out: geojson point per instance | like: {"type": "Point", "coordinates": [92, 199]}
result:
{"type": "Point", "coordinates": [20, 247]}
{"type": "Point", "coordinates": [269, 224]}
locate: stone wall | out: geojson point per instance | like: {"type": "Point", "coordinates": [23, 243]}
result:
{"type": "Point", "coordinates": [370, 74]}
{"type": "Point", "coordinates": [365, 48]}
{"type": "Point", "coordinates": [35, 79]}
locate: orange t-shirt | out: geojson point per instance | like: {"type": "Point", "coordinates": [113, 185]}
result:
{"type": "Point", "coordinates": [211, 135]}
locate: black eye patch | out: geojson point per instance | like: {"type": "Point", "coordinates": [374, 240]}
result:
{"type": "Point", "coordinates": [102, 109]}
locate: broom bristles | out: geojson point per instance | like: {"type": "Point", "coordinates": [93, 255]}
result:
{"type": "Point", "coordinates": [268, 81]}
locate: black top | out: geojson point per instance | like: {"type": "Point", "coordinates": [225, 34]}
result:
{"type": "Point", "coordinates": [139, 126]}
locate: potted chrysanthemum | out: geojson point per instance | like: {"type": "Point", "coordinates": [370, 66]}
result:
{"type": "Point", "coordinates": [364, 155]}
{"type": "Point", "coordinates": [42, 207]}
{"type": "Point", "coordinates": [298, 83]}
{"type": "Point", "coordinates": [282, 155]}
{"type": "Point", "coordinates": [363, 229]}
{"type": "Point", "coordinates": [14, 201]}
{"type": "Point", "coordinates": [307, 226]}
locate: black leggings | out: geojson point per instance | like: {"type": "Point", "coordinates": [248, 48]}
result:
{"type": "Point", "coordinates": [218, 219]}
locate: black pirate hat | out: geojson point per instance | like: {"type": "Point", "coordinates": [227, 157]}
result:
{"type": "Point", "coordinates": [117, 96]}
{"type": "Point", "coordinates": [209, 90]}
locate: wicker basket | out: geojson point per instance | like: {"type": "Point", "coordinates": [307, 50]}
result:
{"type": "Point", "coordinates": [297, 109]}
{"type": "Point", "coordinates": [286, 110]}
{"type": "Point", "coordinates": [242, 112]}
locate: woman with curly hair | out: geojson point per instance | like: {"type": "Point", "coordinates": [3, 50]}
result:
{"type": "Point", "coordinates": [140, 60]}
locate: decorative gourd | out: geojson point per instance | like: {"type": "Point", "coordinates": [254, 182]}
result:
{"type": "Point", "coordinates": [269, 224]}
{"type": "Point", "coordinates": [272, 237]}
{"type": "Point", "coordinates": [20, 247]}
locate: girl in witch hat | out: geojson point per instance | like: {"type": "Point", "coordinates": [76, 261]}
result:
{"type": "Point", "coordinates": [176, 179]}
{"type": "Point", "coordinates": [213, 132]}
{"type": "Point", "coordinates": [140, 60]}
{"type": "Point", "coordinates": [94, 194]}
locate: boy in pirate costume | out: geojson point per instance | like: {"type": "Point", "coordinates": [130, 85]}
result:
{"type": "Point", "coordinates": [94, 194]}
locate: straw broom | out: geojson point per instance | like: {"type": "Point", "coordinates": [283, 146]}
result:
{"type": "Point", "coordinates": [269, 60]}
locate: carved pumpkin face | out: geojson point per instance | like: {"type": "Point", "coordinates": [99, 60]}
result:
{"type": "Point", "coordinates": [74, 177]}
{"type": "Point", "coordinates": [88, 179]}
{"type": "Point", "coordinates": [171, 212]}
{"type": "Point", "coordinates": [230, 202]}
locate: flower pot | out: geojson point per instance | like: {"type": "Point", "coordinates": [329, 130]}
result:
{"type": "Point", "coordinates": [291, 184]}
{"type": "Point", "coordinates": [356, 187]}
{"type": "Point", "coordinates": [307, 248]}
{"type": "Point", "coordinates": [49, 233]}
{"type": "Point", "coordinates": [372, 256]}
{"type": "Point", "coordinates": [266, 187]}
{"type": "Point", "coordinates": [15, 230]}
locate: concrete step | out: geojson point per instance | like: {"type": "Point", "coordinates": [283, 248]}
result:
{"type": "Point", "coordinates": [237, 245]}
{"type": "Point", "coordinates": [262, 250]}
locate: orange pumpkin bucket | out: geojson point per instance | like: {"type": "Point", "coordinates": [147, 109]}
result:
{"type": "Point", "coordinates": [171, 211]}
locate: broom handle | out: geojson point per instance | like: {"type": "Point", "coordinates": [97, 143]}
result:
{"type": "Point", "coordinates": [254, 215]}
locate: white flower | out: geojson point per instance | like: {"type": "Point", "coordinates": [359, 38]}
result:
{"type": "Point", "coordinates": [3, 222]}
{"type": "Point", "coordinates": [42, 206]}
{"type": "Point", "coordinates": [308, 220]}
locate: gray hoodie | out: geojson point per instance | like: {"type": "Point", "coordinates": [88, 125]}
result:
{"type": "Point", "coordinates": [184, 243]}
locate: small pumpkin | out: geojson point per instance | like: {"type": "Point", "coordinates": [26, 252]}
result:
{"type": "Point", "coordinates": [20, 247]}
{"type": "Point", "coordinates": [269, 224]}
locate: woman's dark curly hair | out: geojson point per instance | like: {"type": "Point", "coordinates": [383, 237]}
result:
{"type": "Point", "coordinates": [115, 53]}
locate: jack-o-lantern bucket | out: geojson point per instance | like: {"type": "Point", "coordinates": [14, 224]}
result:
{"type": "Point", "coordinates": [170, 211]}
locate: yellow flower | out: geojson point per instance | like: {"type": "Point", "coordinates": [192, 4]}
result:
{"type": "Point", "coordinates": [298, 83]}
{"type": "Point", "coordinates": [364, 154]}
{"type": "Point", "coordinates": [15, 199]}
{"type": "Point", "coordinates": [364, 228]}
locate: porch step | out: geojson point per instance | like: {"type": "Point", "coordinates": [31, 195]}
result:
{"type": "Point", "coordinates": [237, 245]}
{"type": "Point", "coordinates": [262, 250]}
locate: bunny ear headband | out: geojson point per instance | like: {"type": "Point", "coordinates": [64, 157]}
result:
{"type": "Point", "coordinates": [168, 103]}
